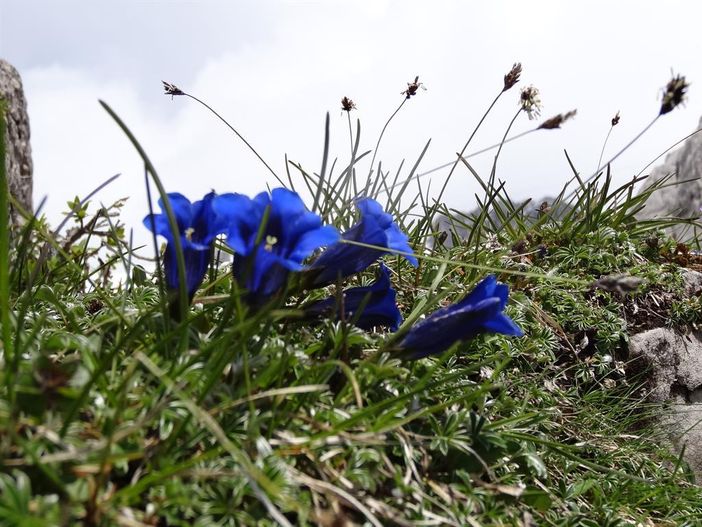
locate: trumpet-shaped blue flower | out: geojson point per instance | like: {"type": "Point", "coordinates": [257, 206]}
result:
{"type": "Point", "coordinates": [373, 305]}
{"type": "Point", "coordinates": [198, 226]}
{"type": "Point", "coordinates": [481, 311]}
{"type": "Point", "coordinates": [271, 235]}
{"type": "Point", "coordinates": [376, 227]}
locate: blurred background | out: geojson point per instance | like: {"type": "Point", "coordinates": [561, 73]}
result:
{"type": "Point", "coordinates": [274, 69]}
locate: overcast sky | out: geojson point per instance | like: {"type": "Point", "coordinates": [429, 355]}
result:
{"type": "Point", "coordinates": [274, 69]}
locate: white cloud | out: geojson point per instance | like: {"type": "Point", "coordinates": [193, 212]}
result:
{"type": "Point", "coordinates": [275, 89]}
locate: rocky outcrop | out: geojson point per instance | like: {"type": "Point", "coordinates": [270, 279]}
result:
{"type": "Point", "coordinates": [682, 200]}
{"type": "Point", "coordinates": [18, 161]}
{"type": "Point", "coordinates": [673, 361]}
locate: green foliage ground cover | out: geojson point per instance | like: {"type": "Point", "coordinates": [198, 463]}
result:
{"type": "Point", "coordinates": [112, 413]}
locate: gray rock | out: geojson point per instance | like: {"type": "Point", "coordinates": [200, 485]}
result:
{"type": "Point", "coordinates": [18, 162]}
{"type": "Point", "coordinates": [692, 282]}
{"type": "Point", "coordinates": [674, 361]}
{"type": "Point", "coordinates": [682, 200]}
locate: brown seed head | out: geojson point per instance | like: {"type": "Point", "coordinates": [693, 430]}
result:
{"type": "Point", "coordinates": [347, 104]}
{"type": "Point", "coordinates": [412, 87]}
{"type": "Point", "coordinates": [615, 120]}
{"type": "Point", "coordinates": [674, 94]}
{"type": "Point", "coordinates": [530, 101]}
{"type": "Point", "coordinates": [557, 121]}
{"type": "Point", "coordinates": [172, 89]}
{"type": "Point", "coordinates": [512, 77]}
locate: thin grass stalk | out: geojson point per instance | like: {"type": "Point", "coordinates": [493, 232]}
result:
{"type": "Point", "coordinates": [253, 473]}
{"type": "Point", "coordinates": [460, 154]}
{"type": "Point", "coordinates": [491, 180]}
{"type": "Point", "coordinates": [311, 180]}
{"type": "Point", "coordinates": [380, 137]}
{"type": "Point", "coordinates": [157, 256]}
{"type": "Point", "coordinates": [465, 146]}
{"type": "Point", "coordinates": [237, 134]}
{"type": "Point", "coordinates": [83, 201]}
{"type": "Point", "coordinates": [339, 198]}
{"type": "Point", "coordinates": [51, 237]}
{"type": "Point", "coordinates": [287, 173]}
{"type": "Point", "coordinates": [668, 150]}
{"type": "Point", "coordinates": [604, 145]}
{"type": "Point", "coordinates": [472, 154]}
{"type": "Point", "coordinates": [172, 223]}
{"type": "Point", "coordinates": [341, 184]}
{"type": "Point", "coordinates": [490, 196]}
{"type": "Point", "coordinates": [380, 177]}
{"type": "Point", "coordinates": [354, 149]}
{"type": "Point", "coordinates": [126, 261]}
{"type": "Point", "coordinates": [25, 300]}
{"type": "Point", "coordinates": [616, 156]}
{"type": "Point", "coordinates": [306, 178]}
{"type": "Point", "coordinates": [397, 175]}
{"type": "Point", "coordinates": [23, 249]}
{"type": "Point", "coordinates": [394, 203]}
{"type": "Point", "coordinates": [108, 356]}
{"type": "Point", "coordinates": [325, 156]}
{"type": "Point", "coordinates": [424, 198]}
{"type": "Point", "coordinates": [485, 268]}
{"type": "Point", "coordinates": [85, 254]}
{"type": "Point", "coordinates": [493, 171]}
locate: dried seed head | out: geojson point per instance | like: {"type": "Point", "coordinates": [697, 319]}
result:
{"type": "Point", "coordinates": [412, 87]}
{"type": "Point", "coordinates": [172, 89]}
{"type": "Point", "coordinates": [615, 119]}
{"type": "Point", "coordinates": [347, 104]}
{"type": "Point", "coordinates": [557, 121]}
{"type": "Point", "coordinates": [512, 77]}
{"type": "Point", "coordinates": [674, 94]}
{"type": "Point", "coordinates": [530, 101]}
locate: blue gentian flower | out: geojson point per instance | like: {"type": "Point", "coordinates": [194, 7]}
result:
{"type": "Point", "coordinates": [263, 260]}
{"type": "Point", "coordinates": [376, 300]}
{"type": "Point", "coordinates": [481, 311]}
{"type": "Point", "coordinates": [198, 226]}
{"type": "Point", "coordinates": [376, 227]}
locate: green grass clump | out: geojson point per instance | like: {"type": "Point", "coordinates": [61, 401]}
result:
{"type": "Point", "coordinates": [112, 413]}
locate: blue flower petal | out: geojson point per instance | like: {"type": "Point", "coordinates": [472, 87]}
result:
{"type": "Point", "coordinates": [342, 259]}
{"type": "Point", "coordinates": [479, 312]}
{"type": "Point", "coordinates": [262, 200]}
{"type": "Point", "coordinates": [376, 228]}
{"type": "Point", "coordinates": [264, 258]}
{"type": "Point", "coordinates": [198, 225]}
{"type": "Point", "coordinates": [370, 207]}
{"type": "Point", "coordinates": [206, 223]}
{"type": "Point", "coordinates": [483, 290]}
{"type": "Point", "coordinates": [241, 218]}
{"type": "Point", "coordinates": [312, 240]}
{"type": "Point", "coordinates": [182, 210]}
{"type": "Point", "coordinates": [371, 306]}
{"type": "Point", "coordinates": [501, 323]}
{"type": "Point", "coordinates": [399, 241]}
{"type": "Point", "coordinates": [287, 204]}
{"type": "Point", "coordinates": [158, 224]}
